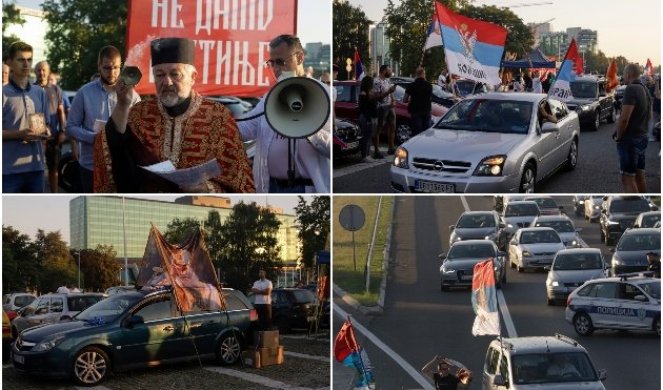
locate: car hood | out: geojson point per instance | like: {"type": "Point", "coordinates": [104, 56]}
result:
{"type": "Point", "coordinates": [625, 217]}
{"type": "Point", "coordinates": [567, 237]}
{"type": "Point", "coordinates": [519, 220]}
{"type": "Point", "coordinates": [460, 145]}
{"type": "Point", "coordinates": [544, 247]}
{"type": "Point", "coordinates": [633, 257]}
{"type": "Point", "coordinates": [472, 233]}
{"type": "Point", "coordinates": [38, 333]}
{"type": "Point", "coordinates": [576, 276]}
{"type": "Point", "coordinates": [563, 386]}
{"type": "Point", "coordinates": [580, 102]}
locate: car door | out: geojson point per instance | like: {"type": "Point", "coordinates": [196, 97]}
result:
{"type": "Point", "coordinates": [513, 251]}
{"type": "Point", "coordinates": [41, 313]}
{"type": "Point", "coordinates": [633, 313]}
{"type": "Point", "coordinates": [546, 145]}
{"type": "Point", "coordinates": [604, 304]}
{"type": "Point", "coordinates": [566, 125]}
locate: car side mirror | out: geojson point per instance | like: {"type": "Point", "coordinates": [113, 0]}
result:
{"type": "Point", "coordinates": [452, 227]}
{"type": "Point", "coordinates": [603, 211]}
{"type": "Point", "coordinates": [612, 250]}
{"type": "Point", "coordinates": [547, 268]}
{"type": "Point", "coordinates": [134, 320]}
{"type": "Point", "coordinates": [640, 298]}
{"type": "Point", "coordinates": [502, 225]}
{"type": "Point", "coordinates": [603, 374]}
{"type": "Point", "coordinates": [578, 230]}
{"type": "Point", "coordinates": [549, 127]}
{"type": "Point", "coordinates": [442, 256]}
{"type": "Point", "coordinates": [498, 380]}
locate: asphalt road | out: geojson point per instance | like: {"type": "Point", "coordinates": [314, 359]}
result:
{"type": "Point", "coordinates": [597, 171]}
{"type": "Point", "coordinates": [420, 322]}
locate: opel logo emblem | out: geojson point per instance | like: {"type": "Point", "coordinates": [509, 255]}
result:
{"type": "Point", "coordinates": [438, 165]}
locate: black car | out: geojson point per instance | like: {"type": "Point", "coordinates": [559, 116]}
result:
{"type": "Point", "coordinates": [619, 95]}
{"type": "Point", "coordinates": [579, 204]}
{"type": "Point", "coordinates": [291, 308]}
{"type": "Point", "coordinates": [630, 254]}
{"type": "Point", "coordinates": [591, 102]}
{"type": "Point", "coordinates": [618, 214]}
{"type": "Point", "coordinates": [347, 138]}
{"type": "Point", "coordinates": [142, 328]}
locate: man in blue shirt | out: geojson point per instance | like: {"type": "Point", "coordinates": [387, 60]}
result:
{"type": "Point", "coordinates": [92, 107]}
{"type": "Point", "coordinates": [22, 146]}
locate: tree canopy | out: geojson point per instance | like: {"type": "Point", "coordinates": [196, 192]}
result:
{"type": "Point", "coordinates": [313, 223]}
{"type": "Point", "coordinates": [350, 30]}
{"type": "Point", "coordinates": [10, 16]}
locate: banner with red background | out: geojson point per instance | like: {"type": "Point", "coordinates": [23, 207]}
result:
{"type": "Point", "coordinates": [232, 40]}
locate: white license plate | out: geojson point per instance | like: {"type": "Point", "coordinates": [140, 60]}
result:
{"type": "Point", "coordinates": [431, 186]}
{"type": "Point", "coordinates": [352, 145]}
{"type": "Point", "coordinates": [19, 359]}
{"type": "Point", "coordinates": [466, 278]}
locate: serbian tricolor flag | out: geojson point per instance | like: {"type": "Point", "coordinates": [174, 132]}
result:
{"type": "Point", "coordinates": [359, 67]}
{"type": "Point", "coordinates": [186, 267]}
{"type": "Point", "coordinates": [561, 90]}
{"type": "Point", "coordinates": [434, 34]}
{"type": "Point", "coordinates": [649, 68]}
{"type": "Point", "coordinates": [484, 300]}
{"type": "Point", "coordinates": [473, 48]}
{"type": "Point", "coordinates": [611, 76]}
{"type": "Point", "coordinates": [348, 352]}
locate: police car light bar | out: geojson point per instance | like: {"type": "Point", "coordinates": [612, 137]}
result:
{"type": "Point", "coordinates": [647, 274]}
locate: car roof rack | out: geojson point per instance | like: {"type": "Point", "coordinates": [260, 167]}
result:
{"type": "Point", "coordinates": [644, 274]}
{"type": "Point", "coordinates": [566, 339]}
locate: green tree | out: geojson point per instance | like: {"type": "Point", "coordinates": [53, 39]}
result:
{"type": "Point", "coordinates": [596, 62]}
{"type": "Point", "coordinates": [57, 265]}
{"type": "Point", "coordinates": [181, 229]}
{"type": "Point", "coordinates": [10, 15]}
{"type": "Point", "coordinates": [313, 224]}
{"type": "Point", "coordinates": [350, 30]}
{"type": "Point", "coordinates": [247, 242]}
{"type": "Point", "coordinates": [78, 29]}
{"type": "Point", "coordinates": [99, 267]}
{"type": "Point", "coordinates": [20, 263]}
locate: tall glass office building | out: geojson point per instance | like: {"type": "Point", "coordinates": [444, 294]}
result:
{"type": "Point", "coordinates": [96, 220]}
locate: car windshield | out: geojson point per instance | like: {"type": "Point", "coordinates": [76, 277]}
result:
{"type": "Point", "coordinates": [479, 251]}
{"type": "Point", "coordinates": [584, 89]}
{"type": "Point", "coordinates": [441, 93]}
{"type": "Point", "coordinates": [653, 289]}
{"type": "Point", "coordinates": [82, 302]}
{"type": "Point", "coordinates": [521, 210]}
{"type": "Point", "coordinates": [110, 308]}
{"type": "Point", "coordinates": [629, 205]}
{"type": "Point", "coordinates": [640, 242]}
{"type": "Point", "coordinates": [650, 220]}
{"type": "Point", "coordinates": [577, 261]}
{"type": "Point", "coordinates": [539, 237]}
{"type": "Point", "coordinates": [559, 226]}
{"type": "Point", "coordinates": [552, 368]}
{"type": "Point", "coordinates": [465, 87]}
{"type": "Point", "coordinates": [344, 93]}
{"type": "Point", "coordinates": [486, 115]}
{"type": "Point", "coordinates": [303, 296]}
{"type": "Point", "coordinates": [476, 221]}
{"type": "Point", "coordinates": [544, 203]}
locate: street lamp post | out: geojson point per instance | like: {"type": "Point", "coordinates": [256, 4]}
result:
{"type": "Point", "coordinates": [79, 269]}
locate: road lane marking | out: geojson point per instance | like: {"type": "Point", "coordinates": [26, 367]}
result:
{"type": "Point", "coordinates": [413, 372]}
{"type": "Point", "coordinates": [305, 356]}
{"type": "Point", "coordinates": [92, 388]}
{"type": "Point", "coordinates": [261, 380]}
{"type": "Point", "coordinates": [501, 301]}
{"type": "Point", "coordinates": [322, 336]}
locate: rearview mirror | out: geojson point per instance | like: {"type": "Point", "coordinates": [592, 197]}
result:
{"type": "Point", "coordinates": [547, 268]}
{"type": "Point", "coordinates": [452, 227]}
{"type": "Point", "coordinates": [498, 380]}
{"type": "Point", "coordinates": [549, 127]}
{"type": "Point", "coordinates": [603, 374]}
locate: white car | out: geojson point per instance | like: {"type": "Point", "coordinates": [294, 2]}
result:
{"type": "Point", "coordinates": [534, 248]}
{"type": "Point", "coordinates": [570, 269]}
{"type": "Point", "coordinates": [630, 301]}
{"type": "Point", "coordinates": [593, 206]}
{"type": "Point", "coordinates": [564, 226]}
{"type": "Point", "coordinates": [491, 143]}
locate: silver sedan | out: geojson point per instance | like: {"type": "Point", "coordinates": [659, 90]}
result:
{"type": "Point", "coordinates": [496, 142]}
{"type": "Point", "coordinates": [534, 248]}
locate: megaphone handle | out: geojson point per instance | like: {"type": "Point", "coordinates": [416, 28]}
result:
{"type": "Point", "coordinates": [291, 165]}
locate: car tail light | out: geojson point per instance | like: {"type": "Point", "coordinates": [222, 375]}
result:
{"type": "Point", "coordinates": [253, 315]}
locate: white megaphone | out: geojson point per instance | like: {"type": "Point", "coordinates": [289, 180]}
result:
{"type": "Point", "coordinates": [297, 107]}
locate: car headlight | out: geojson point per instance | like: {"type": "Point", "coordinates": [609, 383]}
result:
{"type": "Point", "coordinates": [574, 243]}
{"type": "Point", "coordinates": [616, 261]}
{"type": "Point", "coordinates": [555, 283]}
{"type": "Point", "coordinates": [49, 343]}
{"type": "Point", "coordinates": [509, 226]}
{"type": "Point", "coordinates": [457, 238]}
{"type": "Point", "coordinates": [448, 270]}
{"type": "Point", "coordinates": [400, 158]}
{"type": "Point", "coordinates": [597, 207]}
{"type": "Point", "coordinates": [491, 166]}
{"type": "Point", "coordinates": [586, 107]}
{"type": "Point", "coordinates": [491, 236]}
{"type": "Point", "coordinates": [581, 202]}
{"type": "Point", "coordinates": [527, 254]}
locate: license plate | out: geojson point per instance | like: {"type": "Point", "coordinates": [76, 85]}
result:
{"type": "Point", "coordinates": [352, 145]}
{"type": "Point", "coordinates": [431, 186]}
{"type": "Point", "coordinates": [466, 278]}
{"type": "Point", "coordinates": [19, 359]}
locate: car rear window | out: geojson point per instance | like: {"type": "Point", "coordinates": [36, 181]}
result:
{"type": "Point", "coordinates": [650, 220]}
{"type": "Point", "coordinates": [80, 303]}
{"type": "Point", "coordinates": [629, 205]}
{"type": "Point", "coordinates": [344, 93]}
{"type": "Point", "coordinates": [234, 302]}
{"type": "Point", "coordinates": [559, 226]}
{"type": "Point", "coordinates": [303, 296]}
{"type": "Point", "coordinates": [476, 221]}
{"type": "Point", "coordinates": [538, 367]}
{"type": "Point", "coordinates": [23, 300]}
{"type": "Point", "coordinates": [471, 251]}
{"type": "Point", "coordinates": [639, 242]}
{"type": "Point", "coordinates": [577, 261]}
{"type": "Point", "coordinates": [539, 237]}
{"type": "Point", "coordinates": [521, 210]}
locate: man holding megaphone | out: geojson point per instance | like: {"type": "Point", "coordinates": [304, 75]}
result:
{"type": "Point", "coordinates": [293, 136]}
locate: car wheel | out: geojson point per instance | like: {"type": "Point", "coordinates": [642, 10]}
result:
{"type": "Point", "coordinates": [549, 301]}
{"type": "Point", "coordinates": [583, 324]}
{"type": "Point", "coordinates": [528, 179]}
{"type": "Point", "coordinates": [572, 158]}
{"type": "Point", "coordinates": [613, 116]}
{"type": "Point", "coordinates": [91, 366]}
{"type": "Point", "coordinates": [403, 132]}
{"type": "Point", "coordinates": [597, 121]}
{"type": "Point", "coordinates": [229, 349]}
{"type": "Point", "coordinates": [657, 326]}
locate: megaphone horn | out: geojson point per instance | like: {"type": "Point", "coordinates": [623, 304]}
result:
{"type": "Point", "coordinates": [297, 107]}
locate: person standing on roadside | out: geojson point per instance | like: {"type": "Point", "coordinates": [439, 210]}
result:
{"type": "Point", "coordinates": [263, 304]}
{"type": "Point", "coordinates": [631, 134]}
{"type": "Point", "coordinates": [418, 99]}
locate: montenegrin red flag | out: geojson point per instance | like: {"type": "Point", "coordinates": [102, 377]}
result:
{"type": "Point", "coordinates": [611, 76]}
{"type": "Point", "coordinates": [473, 48]}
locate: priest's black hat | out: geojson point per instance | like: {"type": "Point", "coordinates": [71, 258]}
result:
{"type": "Point", "coordinates": [172, 50]}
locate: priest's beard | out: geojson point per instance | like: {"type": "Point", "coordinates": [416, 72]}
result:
{"type": "Point", "coordinates": [169, 98]}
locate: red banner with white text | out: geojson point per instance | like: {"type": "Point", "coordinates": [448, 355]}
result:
{"type": "Point", "coordinates": [231, 36]}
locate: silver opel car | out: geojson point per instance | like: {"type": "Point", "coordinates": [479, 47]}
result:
{"type": "Point", "coordinates": [489, 143]}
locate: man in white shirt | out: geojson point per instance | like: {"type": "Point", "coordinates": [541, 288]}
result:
{"type": "Point", "coordinates": [263, 304]}
{"type": "Point", "coordinates": [62, 290]}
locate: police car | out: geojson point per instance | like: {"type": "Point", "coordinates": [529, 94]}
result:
{"type": "Point", "coordinates": [627, 301]}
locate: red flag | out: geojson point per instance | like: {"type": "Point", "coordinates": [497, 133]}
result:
{"type": "Point", "coordinates": [359, 67]}
{"type": "Point", "coordinates": [345, 343]}
{"type": "Point", "coordinates": [611, 76]}
{"type": "Point", "coordinates": [649, 68]}
{"type": "Point", "coordinates": [579, 65]}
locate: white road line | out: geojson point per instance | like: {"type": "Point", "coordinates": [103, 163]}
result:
{"type": "Point", "coordinates": [305, 356]}
{"type": "Point", "coordinates": [93, 388]}
{"type": "Point", "coordinates": [261, 380]}
{"type": "Point", "coordinates": [324, 337]}
{"type": "Point", "coordinates": [414, 373]}
{"type": "Point", "coordinates": [501, 301]}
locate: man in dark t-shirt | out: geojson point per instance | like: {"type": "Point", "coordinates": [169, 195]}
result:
{"type": "Point", "coordinates": [631, 134]}
{"type": "Point", "coordinates": [418, 99]}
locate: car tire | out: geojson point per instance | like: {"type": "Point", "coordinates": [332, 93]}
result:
{"type": "Point", "coordinates": [528, 179]}
{"type": "Point", "coordinates": [403, 132]}
{"type": "Point", "coordinates": [612, 118]}
{"type": "Point", "coordinates": [583, 324]}
{"type": "Point", "coordinates": [596, 123]}
{"type": "Point", "coordinates": [229, 349]}
{"type": "Point", "coordinates": [550, 301]}
{"type": "Point", "coordinates": [572, 158]}
{"type": "Point", "coordinates": [91, 366]}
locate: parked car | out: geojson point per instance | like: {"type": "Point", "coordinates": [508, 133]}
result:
{"type": "Point", "coordinates": [591, 101]}
{"type": "Point", "coordinates": [630, 254]}
{"type": "Point", "coordinates": [564, 226]}
{"type": "Point", "coordinates": [593, 206]}
{"type": "Point", "coordinates": [534, 248]}
{"type": "Point", "coordinates": [457, 267]}
{"type": "Point", "coordinates": [647, 219]}
{"type": "Point", "coordinates": [492, 143]}
{"type": "Point", "coordinates": [570, 269]}
{"type": "Point", "coordinates": [136, 329]}
{"type": "Point", "coordinates": [291, 308]}
{"type": "Point", "coordinates": [476, 225]}
{"type": "Point", "coordinates": [347, 138]}
{"type": "Point", "coordinates": [15, 301]}
{"type": "Point", "coordinates": [52, 308]}
{"type": "Point", "coordinates": [525, 363]}
{"type": "Point", "coordinates": [618, 213]}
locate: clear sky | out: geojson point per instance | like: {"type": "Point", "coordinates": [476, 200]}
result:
{"type": "Point", "coordinates": [311, 17]}
{"type": "Point", "coordinates": [28, 213]}
{"type": "Point", "coordinates": [631, 28]}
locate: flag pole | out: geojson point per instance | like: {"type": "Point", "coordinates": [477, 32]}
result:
{"type": "Point", "coordinates": [361, 361]}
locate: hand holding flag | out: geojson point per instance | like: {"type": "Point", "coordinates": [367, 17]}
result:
{"type": "Point", "coordinates": [348, 352]}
